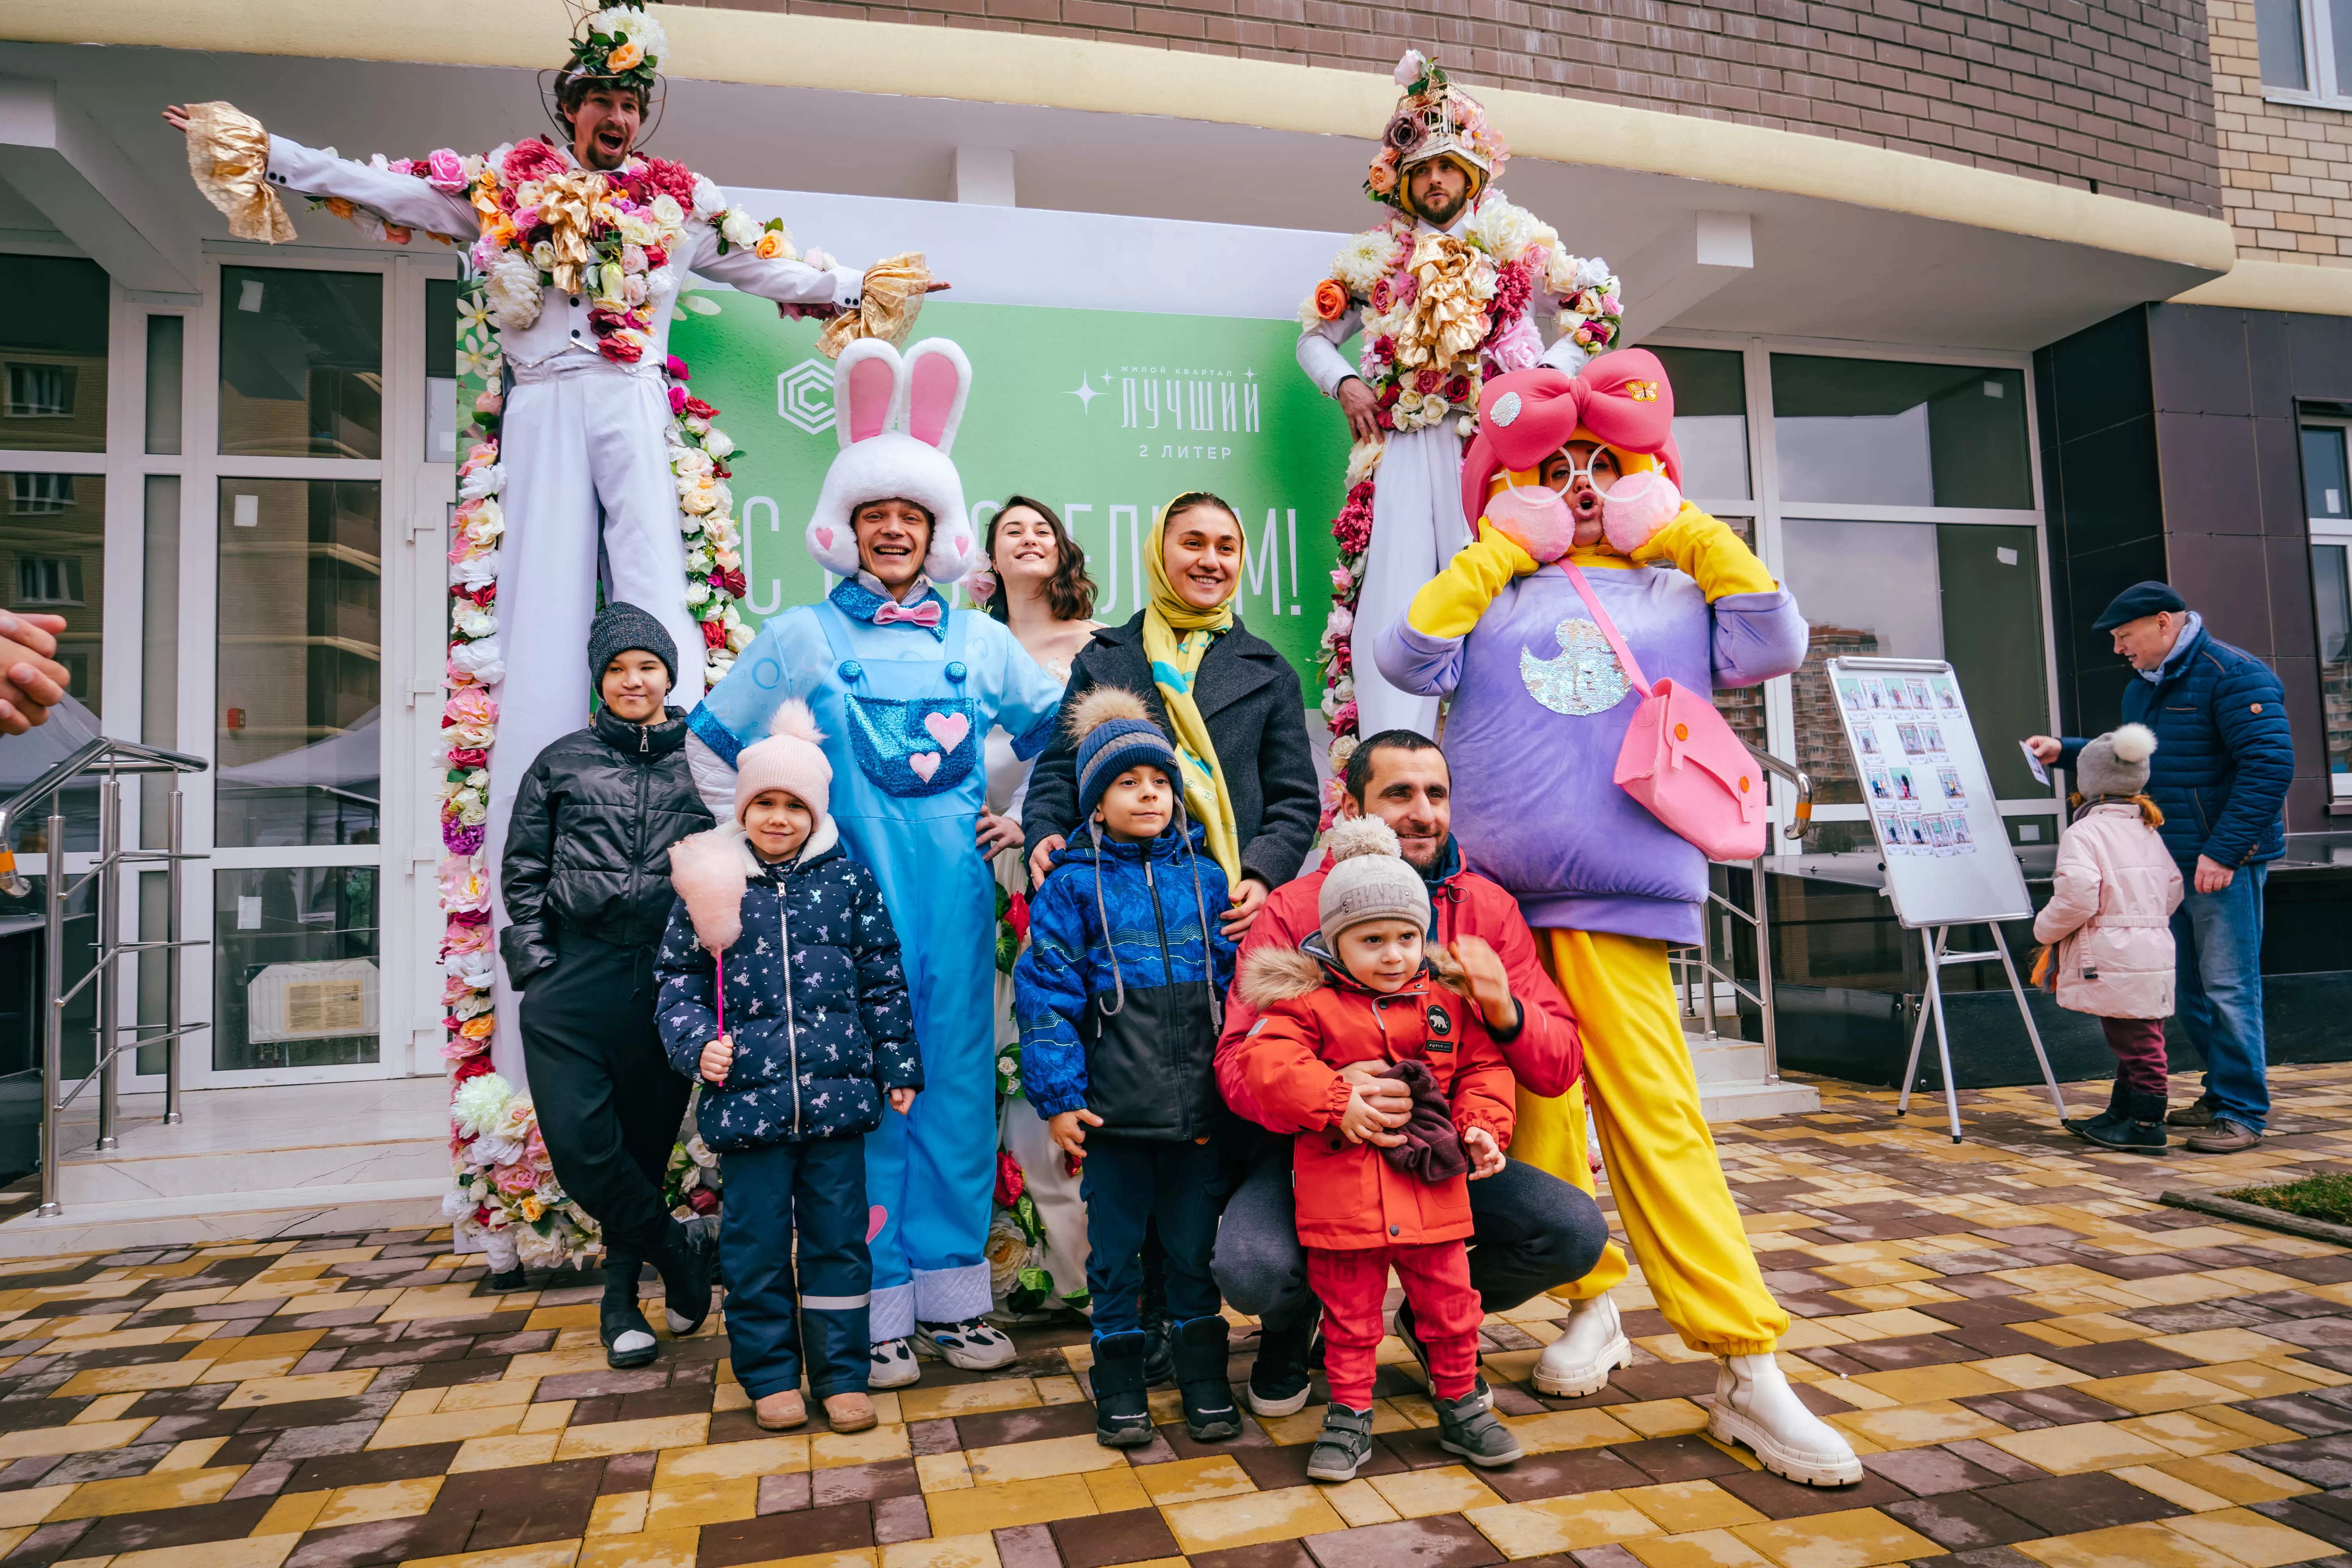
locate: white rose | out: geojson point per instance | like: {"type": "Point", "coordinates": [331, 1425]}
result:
{"type": "Point", "coordinates": [474, 570]}
{"type": "Point", "coordinates": [470, 969]}
{"type": "Point", "coordinates": [697, 424]}
{"type": "Point", "coordinates": [1592, 272]}
{"type": "Point", "coordinates": [721, 498]}
{"type": "Point", "coordinates": [698, 560]}
{"type": "Point", "coordinates": [632, 291]}
{"type": "Point", "coordinates": [697, 592]}
{"type": "Point", "coordinates": [666, 212]}
{"type": "Point", "coordinates": [472, 619]}
{"type": "Point", "coordinates": [710, 201]}
{"type": "Point", "coordinates": [486, 522]}
{"type": "Point", "coordinates": [542, 255]}
{"type": "Point", "coordinates": [717, 443]}
{"type": "Point", "coordinates": [484, 660]}
{"type": "Point", "coordinates": [727, 560]}
{"type": "Point", "coordinates": [740, 638]}
{"type": "Point", "coordinates": [691, 461]}
{"type": "Point", "coordinates": [484, 480]}
{"type": "Point", "coordinates": [513, 292]}
{"type": "Point", "coordinates": [738, 228]}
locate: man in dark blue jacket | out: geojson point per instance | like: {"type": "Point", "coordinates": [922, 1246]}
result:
{"type": "Point", "coordinates": [2223, 758]}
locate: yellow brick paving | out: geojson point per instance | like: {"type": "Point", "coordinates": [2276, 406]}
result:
{"type": "Point", "coordinates": [2041, 1366]}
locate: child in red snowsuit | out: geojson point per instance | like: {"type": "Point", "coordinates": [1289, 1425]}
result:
{"type": "Point", "coordinates": [1368, 1199]}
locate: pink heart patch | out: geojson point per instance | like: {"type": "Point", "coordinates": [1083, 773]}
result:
{"type": "Point", "coordinates": [925, 764]}
{"type": "Point", "coordinates": [875, 1218]}
{"type": "Point", "coordinates": [823, 537]}
{"type": "Point", "coordinates": [947, 729]}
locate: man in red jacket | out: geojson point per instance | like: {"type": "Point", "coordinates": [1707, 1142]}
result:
{"type": "Point", "coordinates": [1533, 1230]}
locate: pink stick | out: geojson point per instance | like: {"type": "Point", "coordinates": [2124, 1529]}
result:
{"type": "Point", "coordinates": [719, 959]}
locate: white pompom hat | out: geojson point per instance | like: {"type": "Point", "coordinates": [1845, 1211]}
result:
{"type": "Point", "coordinates": [1369, 879]}
{"type": "Point", "coordinates": [895, 419]}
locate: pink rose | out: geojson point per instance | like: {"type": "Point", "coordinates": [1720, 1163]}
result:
{"type": "Point", "coordinates": [470, 705]}
{"type": "Point", "coordinates": [1612, 306]}
{"type": "Point", "coordinates": [445, 171]}
{"type": "Point", "coordinates": [517, 1179]}
{"type": "Point", "coordinates": [464, 885]}
{"type": "Point", "coordinates": [1341, 580]}
{"type": "Point", "coordinates": [676, 401]}
{"type": "Point", "coordinates": [531, 160]}
{"type": "Point", "coordinates": [465, 939]}
{"type": "Point", "coordinates": [490, 402]}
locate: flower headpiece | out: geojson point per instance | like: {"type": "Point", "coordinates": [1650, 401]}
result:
{"type": "Point", "coordinates": [1435, 118]}
{"type": "Point", "coordinates": [621, 44]}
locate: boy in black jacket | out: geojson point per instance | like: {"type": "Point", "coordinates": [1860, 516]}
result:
{"type": "Point", "coordinates": [801, 1036]}
{"type": "Point", "coordinates": [587, 887]}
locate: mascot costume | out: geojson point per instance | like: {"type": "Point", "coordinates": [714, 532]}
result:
{"type": "Point", "coordinates": [905, 689]}
{"type": "Point", "coordinates": [1549, 633]}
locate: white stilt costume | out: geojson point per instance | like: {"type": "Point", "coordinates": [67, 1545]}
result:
{"type": "Point", "coordinates": [1440, 309]}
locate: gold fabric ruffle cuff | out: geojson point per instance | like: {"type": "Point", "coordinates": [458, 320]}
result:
{"type": "Point", "coordinates": [889, 300]}
{"type": "Point", "coordinates": [228, 157]}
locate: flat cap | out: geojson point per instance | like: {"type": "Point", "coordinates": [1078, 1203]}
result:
{"type": "Point", "coordinates": [2139, 599]}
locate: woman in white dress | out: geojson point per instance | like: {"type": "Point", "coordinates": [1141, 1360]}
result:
{"type": "Point", "coordinates": [1036, 583]}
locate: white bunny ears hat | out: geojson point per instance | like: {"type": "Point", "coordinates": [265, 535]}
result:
{"type": "Point", "coordinates": [895, 419]}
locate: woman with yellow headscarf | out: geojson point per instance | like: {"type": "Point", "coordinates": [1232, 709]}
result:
{"type": "Point", "coordinates": [1230, 701]}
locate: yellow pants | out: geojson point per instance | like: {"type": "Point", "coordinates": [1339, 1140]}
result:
{"type": "Point", "coordinates": [1671, 1195]}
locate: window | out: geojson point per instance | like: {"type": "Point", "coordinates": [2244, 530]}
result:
{"type": "Point", "coordinates": [1892, 433]}
{"type": "Point", "coordinates": [40, 495]}
{"type": "Point", "coordinates": [40, 391]}
{"type": "Point", "coordinates": [2329, 507]}
{"type": "Point", "coordinates": [43, 581]}
{"type": "Point", "coordinates": [302, 364]}
{"type": "Point", "coordinates": [2307, 48]}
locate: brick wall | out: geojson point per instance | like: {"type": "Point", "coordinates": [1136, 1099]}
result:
{"type": "Point", "coordinates": [2287, 170]}
{"type": "Point", "coordinates": [2109, 94]}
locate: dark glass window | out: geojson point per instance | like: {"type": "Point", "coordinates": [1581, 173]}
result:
{"type": "Point", "coordinates": [1893, 433]}
{"type": "Point", "coordinates": [301, 370]}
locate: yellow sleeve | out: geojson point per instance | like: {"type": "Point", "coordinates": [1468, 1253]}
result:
{"type": "Point", "coordinates": [1707, 548]}
{"type": "Point", "coordinates": [1450, 604]}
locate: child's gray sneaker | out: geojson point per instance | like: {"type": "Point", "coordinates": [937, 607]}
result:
{"type": "Point", "coordinates": [1466, 1428]}
{"type": "Point", "coordinates": [1345, 1442]}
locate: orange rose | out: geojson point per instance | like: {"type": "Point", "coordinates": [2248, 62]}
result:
{"type": "Point", "coordinates": [771, 246]}
{"type": "Point", "coordinates": [1381, 178]}
{"type": "Point", "coordinates": [626, 57]}
{"type": "Point", "coordinates": [1330, 299]}
{"type": "Point", "coordinates": [338, 207]}
{"type": "Point", "coordinates": [476, 1027]}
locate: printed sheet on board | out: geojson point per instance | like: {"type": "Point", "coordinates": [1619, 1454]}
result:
{"type": "Point", "coordinates": [1947, 856]}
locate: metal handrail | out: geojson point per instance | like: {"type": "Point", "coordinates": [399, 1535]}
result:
{"type": "Point", "coordinates": [1760, 920]}
{"type": "Point", "coordinates": [107, 760]}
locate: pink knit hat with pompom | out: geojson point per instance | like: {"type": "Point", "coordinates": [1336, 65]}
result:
{"type": "Point", "coordinates": [792, 758]}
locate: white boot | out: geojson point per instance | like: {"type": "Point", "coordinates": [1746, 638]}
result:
{"type": "Point", "coordinates": [1592, 1346]}
{"type": "Point", "coordinates": [1754, 1406]}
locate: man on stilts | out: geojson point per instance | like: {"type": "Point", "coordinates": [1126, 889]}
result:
{"type": "Point", "coordinates": [1447, 293]}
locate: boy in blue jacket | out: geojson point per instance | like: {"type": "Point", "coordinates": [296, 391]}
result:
{"type": "Point", "coordinates": [1119, 996]}
{"type": "Point", "coordinates": [798, 1053]}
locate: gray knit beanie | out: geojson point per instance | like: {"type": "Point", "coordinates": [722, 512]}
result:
{"type": "Point", "coordinates": [1368, 880]}
{"type": "Point", "coordinates": [2116, 764]}
{"type": "Point", "coordinates": [620, 626]}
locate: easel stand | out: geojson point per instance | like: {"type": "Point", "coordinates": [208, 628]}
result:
{"type": "Point", "coordinates": [1934, 938]}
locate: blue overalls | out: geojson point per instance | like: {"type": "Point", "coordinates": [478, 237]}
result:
{"type": "Point", "coordinates": [906, 711]}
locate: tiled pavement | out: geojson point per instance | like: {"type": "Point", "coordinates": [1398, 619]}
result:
{"type": "Point", "coordinates": [2040, 1365]}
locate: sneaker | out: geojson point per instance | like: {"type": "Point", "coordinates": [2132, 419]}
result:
{"type": "Point", "coordinates": [1345, 1442]}
{"type": "Point", "coordinates": [1468, 1428]}
{"type": "Point", "coordinates": [848, 1412]}
{"type": "Point", "coordinates": [1280, 1382]}
{"type": "Point", "coordinates": [2223, 1137]}
{"type": "Point", "coordinates": [2136, 1129]}
{"type": "Point", "coordinates": [894, 1365]}
{"type": "Point", "coordinates": [2198, 1112]}
{"type": "Point", "coordinates": [1480, 1395]}
{"type": "Point", "coordinates": [973, 1344]}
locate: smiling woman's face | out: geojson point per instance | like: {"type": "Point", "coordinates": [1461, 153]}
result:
{"type": "Point", "coordinates": [1203, 552]}
{"type": "Point", "coordinates": [1026, 545]}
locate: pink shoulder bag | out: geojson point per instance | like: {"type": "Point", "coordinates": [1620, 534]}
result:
{"type": "Point", "coordinates": [1681, 761]}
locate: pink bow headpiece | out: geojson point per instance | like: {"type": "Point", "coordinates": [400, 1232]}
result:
{"type": "Point", "coordinates": [1525, 415]}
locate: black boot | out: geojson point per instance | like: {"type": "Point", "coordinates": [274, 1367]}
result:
{"type": "Point", "coordinates": [1468, 1428]}
{"type": "Point", "coordinates": [1280, 1380]}
{"type": "Point", "coordinates": [1122, 1408]}
{"type": "Point", "coordinates": [688, 1263]}
{"type": "Point", "coordinates": [2100, 1128]}
{"type": "Point", "coordinates": [1202, 1347]}
{"type": "Point", "coordinates": [1160, 1363]}
{"type": "Point", "coordinates": [620, 1322]}
{"type": "Point", "coordinates": [2140, 1131]}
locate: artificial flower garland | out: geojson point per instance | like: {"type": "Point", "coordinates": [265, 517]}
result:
{"type": "Point", "coordinates": [543, 226]}
{"type": "Point", "coordinates": [1440, 313]}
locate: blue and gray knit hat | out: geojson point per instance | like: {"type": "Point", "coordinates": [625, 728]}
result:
{"type": "Point", "coordinates": [1113, 732]}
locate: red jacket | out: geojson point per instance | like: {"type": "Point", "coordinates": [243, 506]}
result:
{"type": "Point", "coordinates": [1311, 1021]}
{"type": "Point", "coordinates": [1546, 1056]}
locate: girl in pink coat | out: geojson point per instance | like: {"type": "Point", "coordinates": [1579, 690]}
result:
{"type": "Point", "coordinates": [2109, 922]}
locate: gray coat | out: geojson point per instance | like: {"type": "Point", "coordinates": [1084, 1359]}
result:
{"type": "Point", "coordinates": [1257, 721]}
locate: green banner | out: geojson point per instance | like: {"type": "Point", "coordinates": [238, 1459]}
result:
{"type": "Point", "coordinates": [1102, 415]}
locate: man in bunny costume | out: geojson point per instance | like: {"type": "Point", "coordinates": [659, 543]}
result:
{"type": "Point", "coordinates": [1447, 292]}
{"type": "Point", "coordinates": [1575, 483]}
{"type": "Point", "coordinates": [905, 689]}
{"type": "Point", "coordinates": [585, 465]}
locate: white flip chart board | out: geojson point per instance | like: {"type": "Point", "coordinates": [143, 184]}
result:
{"type": "Point", "coordinates": [1946, 853]}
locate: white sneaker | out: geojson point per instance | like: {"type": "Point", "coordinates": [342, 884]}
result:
{"type": "Point", "coordinates": [894, 1365]}
{"type": "Point", "coordinates": [973, 1344]}
{"type": "Point", "coordinates": [1592, 1346]}
{"type": "Point", "coordinates": [1754, 1406]}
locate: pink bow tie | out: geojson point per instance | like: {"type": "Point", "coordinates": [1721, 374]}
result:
{"type": "Point", "coordinates": [925, 613]}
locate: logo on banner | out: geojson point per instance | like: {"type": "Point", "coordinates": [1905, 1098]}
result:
{"type": "Point", "coordinates": [805, 397]}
